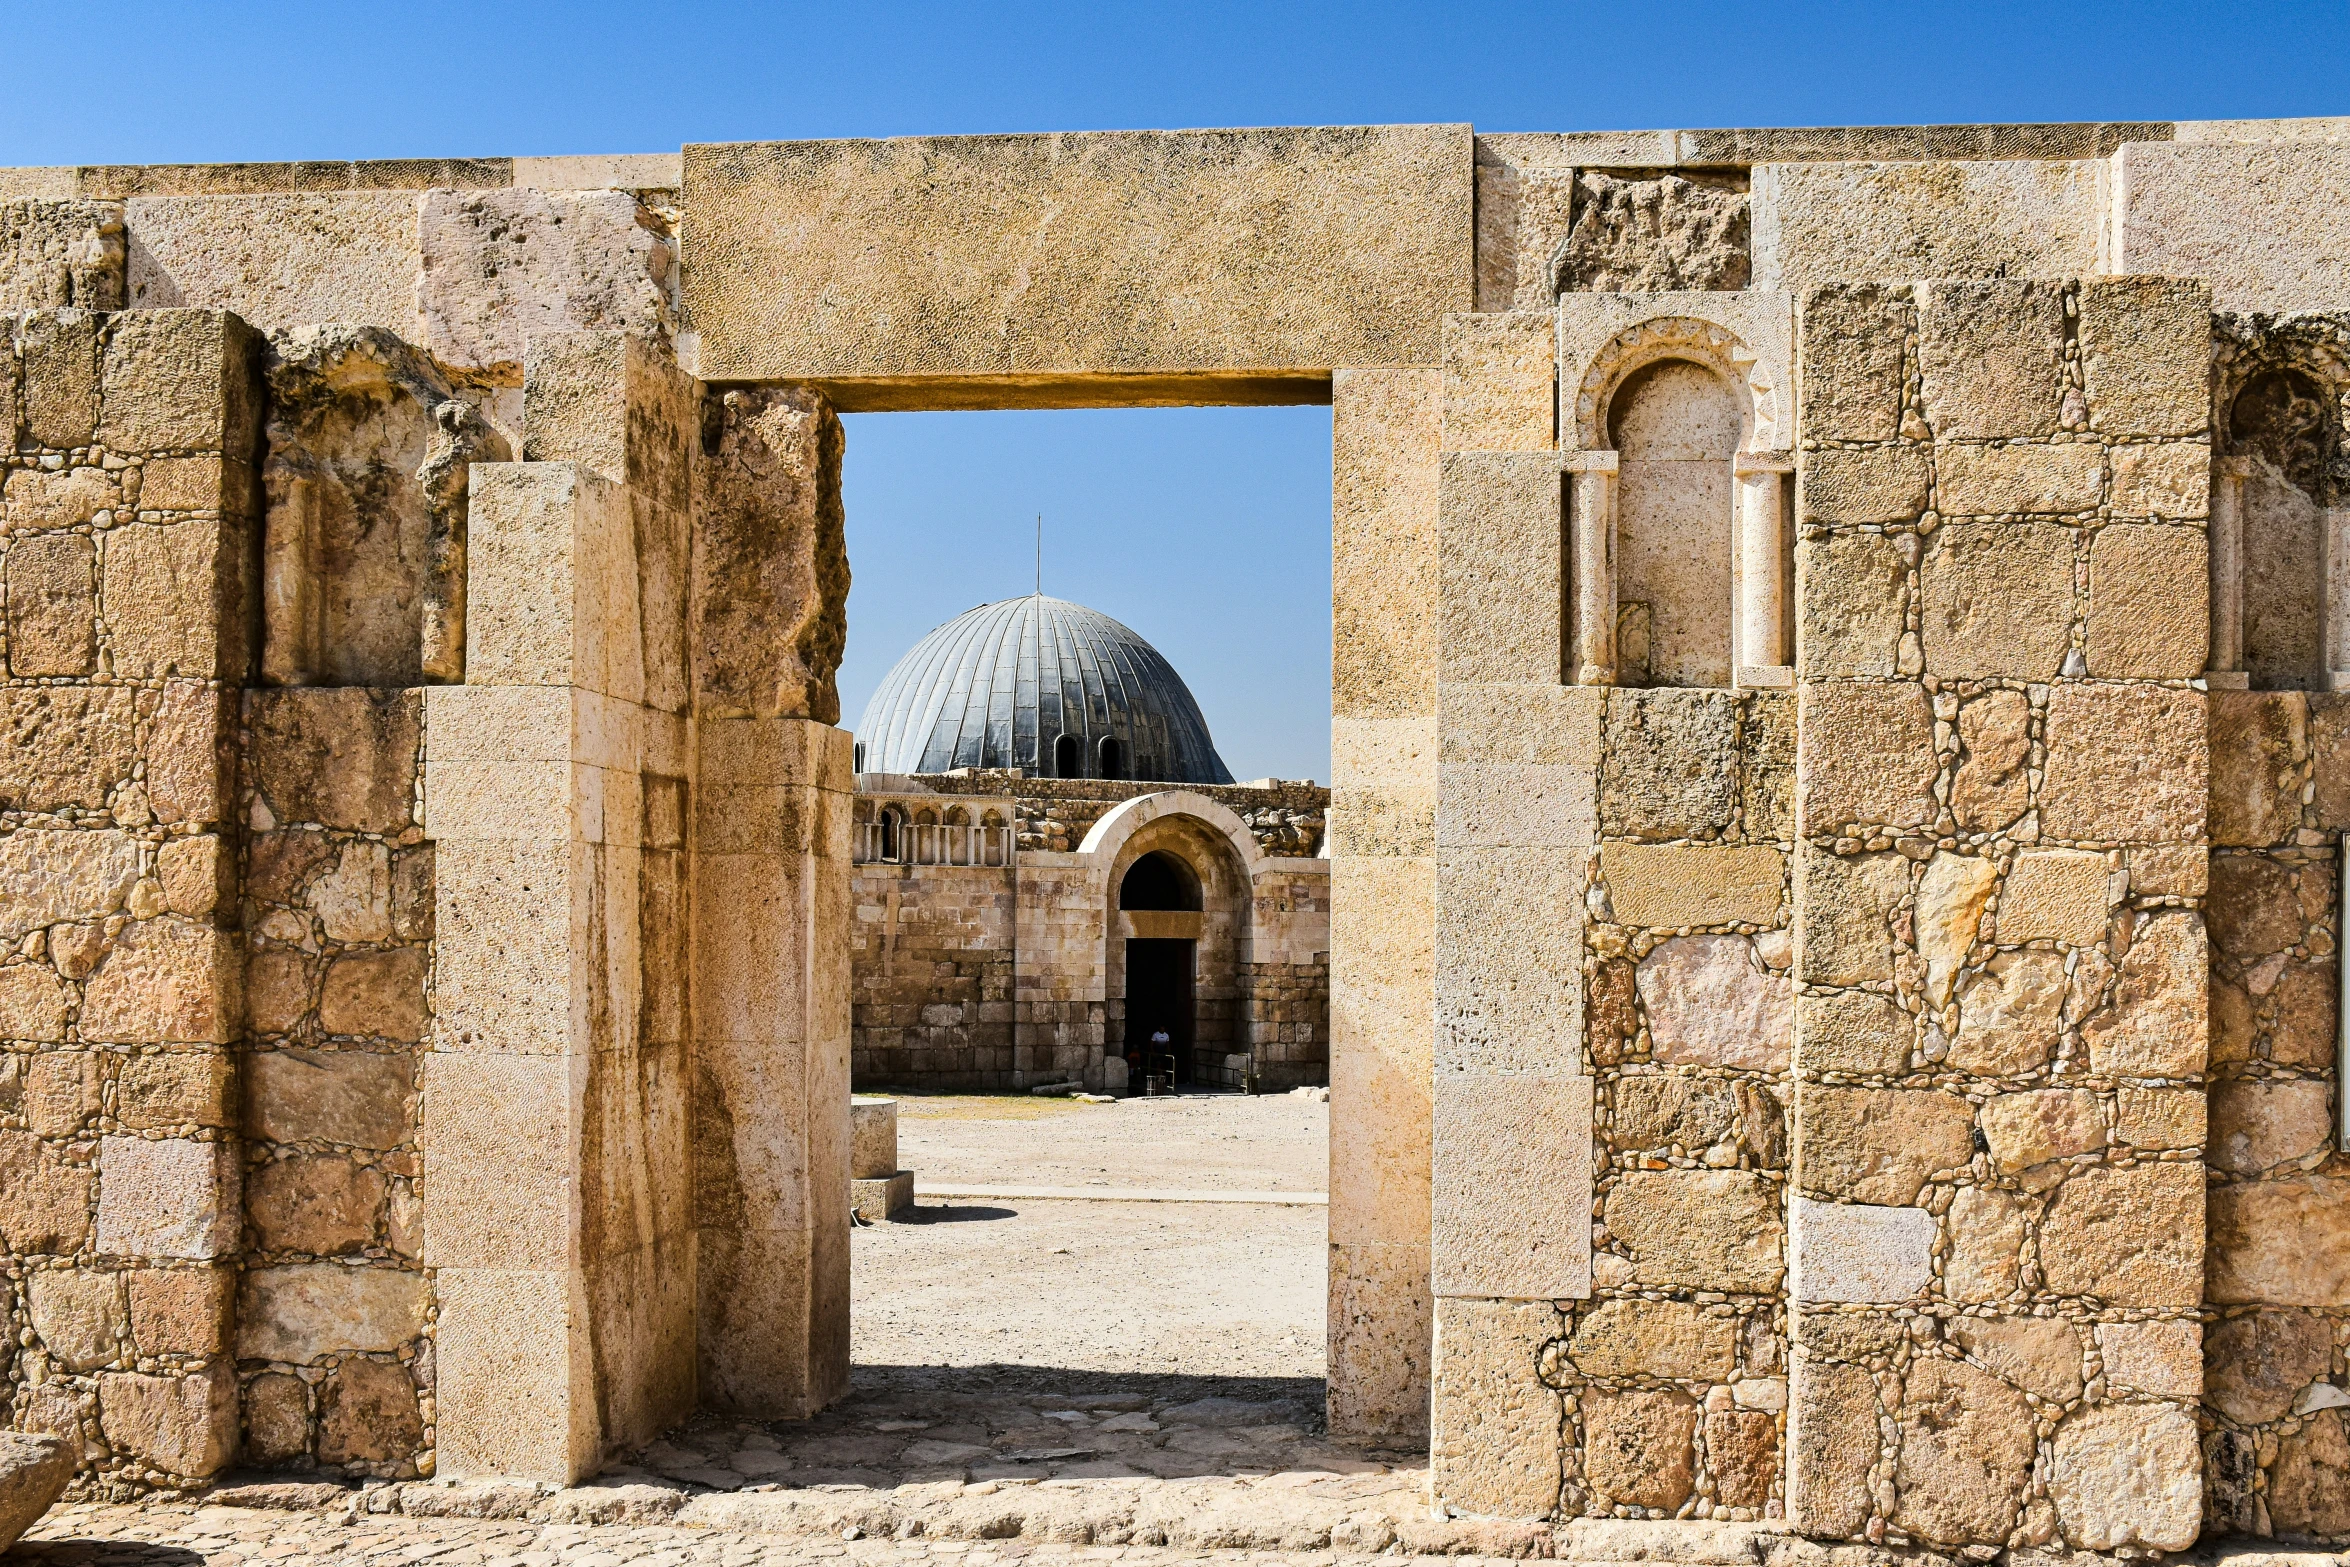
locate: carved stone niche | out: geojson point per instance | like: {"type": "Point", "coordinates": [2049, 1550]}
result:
{"type": "Point", "coordinates": [363, 552]}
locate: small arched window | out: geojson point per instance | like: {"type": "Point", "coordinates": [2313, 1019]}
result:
{"type": "Point", "coordinates": [1068, 757]}
{"type": "Point", "coordinates": [893, 836]}
{"type": "Point", "coordinates": [1113, 759]}
{"type": "Point", "coordinates": [859, 764]}
{"type": "Point", "coordinates": [958, 817]}
{"type": "Point", "coordinates": [1159, 881]}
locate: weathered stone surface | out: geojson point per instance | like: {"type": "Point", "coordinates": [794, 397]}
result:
{"type": "Point", "coordinates": [1948, 916]}
{"type": "Point", "coordinates": [2038, 1354]}
{"type": "Point", "coordinates": [1860, 1253]}
{"type": "Point", "coordinates": [1500, 375]}
{"type": "Point", "coordinates": [2128, 1475]}
{"type": "Point", "coordinates": [2029, 1129]}
{"type": "Point", "coordinates": [2149, 608]}
{"type": "Point", "coordinates": [2255, 1365]}
{"type": "Point", "coordinates": [2125, 763]}
{"type": "Point", "coordinates": [1853, 1032]}
{"type": "Point", "coordinates": [367, 1413]}
{"type": "Point", "coordinates": [320, 1205]}
{"type": "Point", "coordinates": [1966, 1452]}
{"type": "Point", "coordinates": [33, 1005]}
{"type": "Point", "coordinates": [2255, 909]}
{"type": "Point", "coordinates": [1851, 360]}
{"type": "Point", "coordinates": [1658, 1338]}
{"type": "Point", "coordinates": [1828, 221]}
{"type": "Point", "coordinates": [1675, 886]}
{"type": "Point", "coordinates": [1158, 250]}
{"type": "Point", "coordinates": [1864, 484]}
{"type": "Point", "coordinates": [1879, 1145]}
{"type": "Point", "coordinates": [1709, 1229]}
{"type": "Point", "coordinates": [167, 1197]}
{"type": "Point", "coordinates": [52, 605]}
{"type": "Point", "coordinates": [2282, 1242]}
{"type": "Point", "coordinates": [2008, 1014]}
{"type": "Point", "coordinates": [2130, 1237]}
{"type": "Point", "coordinates": [1832, 1432]}
{"type": "Point", "coordinates": [2160, 1117]}
{"type": "Point", "coordinates": [2258, 742]}
{"type": "Point", "coordinates": [1972, 480]}
{"type": "Point", "coordinates": [1742, 1450]}
{"type": "Point", "coordinates": [1991, 355]}
{"type": "Point", "coordinates": [1851, 589]}
{"type": "Point", "coordinates": [336, 1096]}
{"type": "Point", "coordinates": [278, 260]}
{"type": "Point", "coordinates": [1497, 1429]}
{"type": "Point", "coordinates": [1986, 1242]}
{"type": "Point", "coordinates": [34, 1470]}
{"type": "Point", "coordinates": [1844, 906]}
{"type": "Point", "coordinates": [1653, 236]}
{"type": "Point", "coordinates": [1483, 1240]}
{"type": "Point", "coordinates": [339, 757]}
{"type": "Point", "coordinates": [183, 1425]}
{"type": "Point", "coordinates": [277, 1418]}
{"type": "Point", "coordinates": [2155, 1026]}
{"type": "Point", "coordinates": [1991, 787]}
{"type": "Point", "coordinates": [2154, 1357]}
{"type": "Point", "coordinates": [301, 1311]}
{"type": "Point", "coordinates": [378, 994]}
{"type": "Point", "coordinates": [2146, 354]}
{"type": "Point", "coordinates": [1638, 1445]}
{"type": "Point", "coordinates": [2309, 1489]}
{"type": "Point", "coordinates": [1996, 599]}
{"type": "Point", "coordinates": [501, 266]}
{"type": "Point", "coordinates": [45, 1195]}
{"type": "Point", "coordinates": [79, 1316]}
{"type": "Point", "coordinates": [2186, 211]}
{"type": "Point", "coordinates": [2258, 1124]}
{"type": "Point", "coordinates": [165, 981]}
{"type": "Point", "coordinates": [180, 1311]}
{"type": "Point", "coordinates": [1887, 780]}
{"type": "Point", "coordinates": [2055, 895]}
{"type": "Point", "coordinates": [59, 253]}
{"type": "Point", "coordinates": [47, 877]}
{"type": "Point", "coordinates": [174, 1089]}
{"type": "Point", "coordinates": [1710, 1002]}
{"type": "Point", "coordinates": [1662, 772]}
{"type": "Point", "coordinates": [2169, 480]}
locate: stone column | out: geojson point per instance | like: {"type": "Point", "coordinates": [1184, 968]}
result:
{"type": "Point", "coordinates": [1762, 656]}
{"type": "Point", "coordinates": [1384, 434]}
{"type": "Point", "coordinates": [772, 809]}
{"type": "Point", "coordinates": [2337, 598]}
{"type": "Point", "coordinates": [1593, 578]}
{"type": "Point", "coordinates": [2227, 572]}
{"type": "Point", "coordinates": [1997, 1227]}
{"type": "Point", "coordinates": [130, 523]}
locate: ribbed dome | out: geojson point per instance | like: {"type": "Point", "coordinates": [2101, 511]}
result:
{"type": "Point", "coordinates": [1038, 683]}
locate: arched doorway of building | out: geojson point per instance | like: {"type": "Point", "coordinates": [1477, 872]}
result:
{"type": "Point", "coordinates": [1160, 896]}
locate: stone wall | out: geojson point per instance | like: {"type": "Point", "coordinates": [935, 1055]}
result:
{"type": "Point", "coordinates": [932, 964]}
{"type": "Point", "coordinates": [1054, 814]}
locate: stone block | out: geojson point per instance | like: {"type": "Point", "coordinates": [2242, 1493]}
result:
{"type": "Point", "coordinates": [1651, 235]}
{"type": "Point", "coordinates": [2255, 1366]}
{"type": "Point", "coordinates": [2149, 603]}
{"type": "Point", "coordinates": [1868, 756]}
{"type": "Point", "coordinates": [302, 1311]}
{"type": "Point", "coordinates": [60, 349]}
{"type": "Point", "coordinates": [1508, 962]}
{"type": "Point", "coordinates": [1992, 786]}
{"type": "Point", "coordinates": [503, 1169]}
{"type": "Point", "coordinates": [188, 760]}
{"type": "Point", "coordinates": [1538, 724]}
{"type": "Point", "coordinates": [79, 1315]}
{"type": "Point", "coordinates": [1859, 1253]}
{"type": "Point", "coordinates": [2129, 1237]}
{"type": "Point", "coordinates": [1852, 1031]}
{"type": "Point", "coordinates": [1991, 355]}
{"type": "Point", "coordinates": [1986, 1242]}
{"type": "Point", "coordinates": [502, 266]}
{"type": "Point", "coordinates": [376, 994]}
{"type": "Point", "coordinates": [60, 1091]}
{"type": "Point", "coordinates": [2146, 355]}
{"type": "Point", "coordinates": [33, 1005]}
{"type": "Point", "coordinates": [64, 745]}
{"type": "Point", "coordinates": [174, 1089]}
{"type": "Point", "coordinates": [181, 379]}
{"type": "Point", "coordinates": [1879, 1145]}
{"type": "Point", "coordinates": [1384, 439]}
{"type": "Point", "coordinates": [1488, 1239]}
{"type": "Point", "coordinates": [1966, 1454]}
{"type": "Point", "coordinates": [173, 601]}
{"type": "Point", "coordinates": [322, 1205]}
{"type": "Point", "coordinates": [39, 500]}
{"type": "Point", "coordinates": [1828, 221]}
{"type": "Point", "coordinates": [1638, 1446]}
{"type": "Point", "coordinates": [1852, 336]}
{"type": "Point", "coordinates": [2307, 1487]}
{"type": "Point", "coordinates": [2125, 764]}
{"type": "Point", "coordinates": [167, 1197]}
{"type": "Point", "coordinates": [1668, 770]}
{"type": "Point", "coordinates": [1705, 1229]}
{"type": "Point", "coordinates": [353, 1097]}
{"type": "Point", "coordinates": [277, 1418]}
{"type": "Point", "coordinates": [1710, 1002]}
{"type": "Point", "coordinates": [1669, 1339]}
{"type": "Point", "coordinates": [34, 1471]}
{"type": "Point", "coordinates": [1832, 1441]}
{"type": "Point", "coordinates": [1843, 911]}
{"type": "Point", "coordinates": [2259, 743]}
{"type": "Point", "coordinates": [1500, 382]}
{"type": "Point", "coordinates": [2156, 1023]}
{"type": "Point", "coordinates": [2030, 1129]}
{"type": "Point", "coordinates": [52, 605]}
{"type": "Point", "coordinates": [1996, 599]}
{"type": "Point", "coordinates": [1498, 1431]}
{"type": "Point", "coordinates": [2128, 1476]}
{"type": "Point", "coordinates": [166, 981]}
{"type": "Point", "coordinates": [60, 253]}
{"type": "Point", "coordinates": [1848, 486]}
{"type": "Point", "coordinates": [45, 1194]}
{"type": "Point", "coordinates": [51, 877]}
{"type": "Point", "coordinates": [2186, 211]}
{"type": "Point", "coordinates": [2255, 905]}
{"type": "Point", "coordinates": [2163, 1358]}
{"type": "Point", "coordinates": [181, 1311]}
{"type": "Point", "coordinates": [281, 259]}
{"type": "Point", "coordinates": [1500, 568]}
{"type": "Point", "coordinates": [1513, 805]}
{"type": "Point", "coordinates": [503, 968]}
{"type": "Point", "coordinates": [2258, 1124]}
{"type": "Point", "coordinates": [183, 1425]}
{"type": "Point", "coordinates": [1742, 1450]}
{"type": "Point", "coordinates": [1989, 481]}
{"type": "Point", "coordinates": [1380, 1332]}
{"type": "Point", "coordinates": [367, 1414]}
{"type": "Point", "coordinates": [1676, 886]}
{"type": "Point", "coordinates": [1851, 593]}
{"type": "Point", "coordinates": [2058, 895]}
{"type": "Point", "coordinates": [2160, 1118]}
{"type": "Point", "coordinates": [2168, 480]}
{"type": "Point", "coordinates": [340, 757]}
{"type": "Point", "coordinates": [2282, 1242]}
{"type": "Point", "coordinates": [2041, 1355]}
{"type": "Point", "coordinates": [1163, 249]}
{"type": "Point", "coordinates": [882, 1197]}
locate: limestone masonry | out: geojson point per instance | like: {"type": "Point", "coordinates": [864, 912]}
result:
{"type": "Point", "coordinates": [1829, 911]}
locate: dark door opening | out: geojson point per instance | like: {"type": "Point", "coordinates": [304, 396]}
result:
{"type": "Point", "coordinates": [1158, 998]}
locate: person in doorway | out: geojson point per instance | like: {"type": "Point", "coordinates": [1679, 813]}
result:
{"type": "Point", "coordinates": [1162, 1052]}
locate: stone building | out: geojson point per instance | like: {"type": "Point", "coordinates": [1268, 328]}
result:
{"type": "Point", "coordinates": [1054, 865]}
{"type": "Point", "coordinates": [1834, 853]}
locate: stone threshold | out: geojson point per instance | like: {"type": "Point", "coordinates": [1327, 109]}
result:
{"type": "Point", "coordinates": [1130, 1194]}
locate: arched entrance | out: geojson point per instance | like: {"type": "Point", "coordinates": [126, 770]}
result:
{"type": "Point", "coordinates": [1160, 897]}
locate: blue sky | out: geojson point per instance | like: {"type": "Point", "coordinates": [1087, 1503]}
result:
{"type": "Point", "coordinates": [1205, 529]}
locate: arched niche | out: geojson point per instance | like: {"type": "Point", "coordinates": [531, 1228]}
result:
{"type": "Point", "coordinates": [2283, 434]}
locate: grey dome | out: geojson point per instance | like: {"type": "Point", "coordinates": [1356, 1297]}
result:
{"type": "Point", "coordinates": [998, 686]}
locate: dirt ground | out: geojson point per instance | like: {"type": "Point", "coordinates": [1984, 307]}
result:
{"type": "Point", "coordinates": [1210, 1289]}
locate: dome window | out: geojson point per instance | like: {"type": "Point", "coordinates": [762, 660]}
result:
{"type": "Point", "coordinates": [1068, 757]}
{"type": "Point", "coordinates": [1113, 758]}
